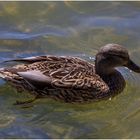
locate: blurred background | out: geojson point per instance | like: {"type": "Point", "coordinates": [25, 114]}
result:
{"type": "Point", "coordinates": [75, 29]}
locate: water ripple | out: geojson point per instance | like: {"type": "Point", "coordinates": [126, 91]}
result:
{"type": "Point", "coordinates": [22, 36]}
{"type": "Point", "coordinates": [131, 77]}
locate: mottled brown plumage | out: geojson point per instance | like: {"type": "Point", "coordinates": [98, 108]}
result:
{"type": "Point", "coordinates": [71, 79]}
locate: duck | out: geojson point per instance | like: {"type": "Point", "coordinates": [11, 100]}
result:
{"type": "Point", "coordinates": [71, 79]}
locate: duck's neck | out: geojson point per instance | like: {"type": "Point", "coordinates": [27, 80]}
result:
{"type": "Point", "coordinates": [103, 69]}
{"type": "Point", "coordinates": [111, 76]}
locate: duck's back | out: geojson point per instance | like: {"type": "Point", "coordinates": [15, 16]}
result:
{"type": "Point", "coordinates": [67, 78]}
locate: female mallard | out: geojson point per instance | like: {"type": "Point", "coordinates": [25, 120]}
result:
{"type": "Point", "coordinates": [72, 79]}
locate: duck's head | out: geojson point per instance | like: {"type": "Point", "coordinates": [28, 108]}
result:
{"type": "Point", "coordinates": [111, 56]}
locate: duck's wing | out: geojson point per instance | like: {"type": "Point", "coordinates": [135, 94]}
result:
{"type": "Point", "coordinates": [60, 72]}
{"type": "Point", "coordinates": [30, 60]}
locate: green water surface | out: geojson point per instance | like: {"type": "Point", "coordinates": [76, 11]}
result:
{"type": "Point", "coordinates": [76, 29]}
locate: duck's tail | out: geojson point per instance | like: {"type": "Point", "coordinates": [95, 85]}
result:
{"type": "Point", "coordinates": [7, 74]}
{"type": "Point", "coordinates": [12, 79]}
{"type": "Point", "coordinates": [2, 73]}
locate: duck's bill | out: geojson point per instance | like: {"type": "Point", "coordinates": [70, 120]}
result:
{"type": "Point", "coordinates": [132, 66]}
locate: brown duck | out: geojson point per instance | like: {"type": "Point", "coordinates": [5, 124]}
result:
{"type": "Point", "coordinates": [72, 79]}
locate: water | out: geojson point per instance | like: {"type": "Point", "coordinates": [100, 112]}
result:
{"type": "Point", "coordinates": [76, 29]}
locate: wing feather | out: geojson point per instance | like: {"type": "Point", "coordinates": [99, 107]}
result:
{"type": "Point", "coordinates": [60, 72]}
